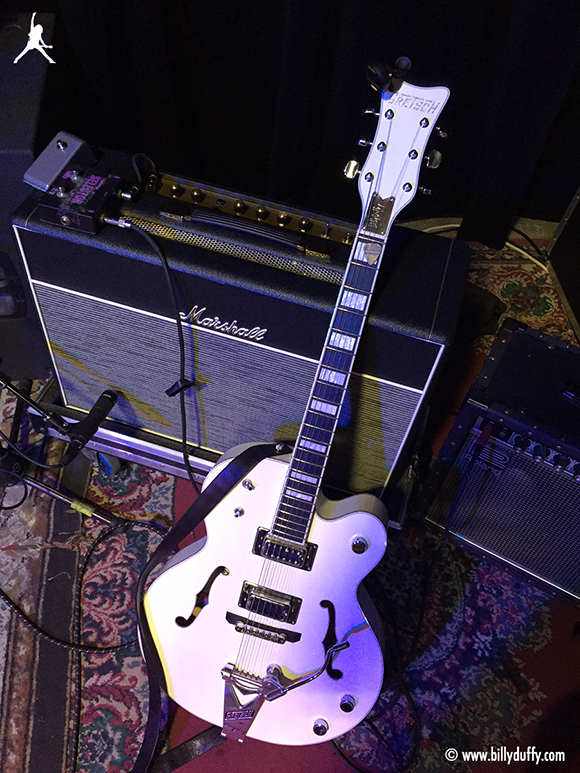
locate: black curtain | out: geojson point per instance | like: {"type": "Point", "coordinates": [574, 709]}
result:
{"type": "Point", "coordinates": [266, 96]}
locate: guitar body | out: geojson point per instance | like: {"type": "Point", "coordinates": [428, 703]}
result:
{"type": "Point", "coordinates": [193, 656]}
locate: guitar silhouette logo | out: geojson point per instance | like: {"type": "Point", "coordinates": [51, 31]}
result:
{"type": "Point", "coordinates": [35, 42]}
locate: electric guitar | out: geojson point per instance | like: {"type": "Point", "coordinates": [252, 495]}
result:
{"type": "Point", "coordinates": [262, 626]}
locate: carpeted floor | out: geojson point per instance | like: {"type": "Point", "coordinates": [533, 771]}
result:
{"type": "Point", "coordinates": [478, 660]}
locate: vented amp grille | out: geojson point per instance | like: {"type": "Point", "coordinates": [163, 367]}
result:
{"type": "Point", "coordinates": [522, 508]}
{"type": "Point", "coordinates": [296, 266]}
{"type": "Point", "coordinates": [242, 387]}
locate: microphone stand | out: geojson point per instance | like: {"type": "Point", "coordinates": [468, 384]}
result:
{"type": "Point", "coordinates": [55, 421]}
{"type": "Point", "coordinates": [78, 433]}
{"type": "Point", "coordinates": [85, 508]}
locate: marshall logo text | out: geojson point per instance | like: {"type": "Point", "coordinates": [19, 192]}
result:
{"type": "Point", "coordinates": [195, 316]}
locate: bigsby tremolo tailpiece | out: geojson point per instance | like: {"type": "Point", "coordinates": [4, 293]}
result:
{"type": "Point", "coordinates": [244, 693]}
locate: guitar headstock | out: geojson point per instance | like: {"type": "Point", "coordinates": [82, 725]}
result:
{"type": "Point", "coordinates": [388, 180]}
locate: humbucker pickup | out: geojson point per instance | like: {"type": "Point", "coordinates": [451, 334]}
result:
{"type": "Point", "coordinates": [270, 603]}
{"type": "Point", "coordinates": [300, 556]}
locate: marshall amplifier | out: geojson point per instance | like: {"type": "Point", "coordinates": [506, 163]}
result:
{"type": "Point", "coordinates": [507, 480]}
{"type": "Point", "coordinates": [257, 284]}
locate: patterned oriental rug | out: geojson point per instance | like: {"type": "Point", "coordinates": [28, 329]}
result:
{"type": "Point", "coordinates": [477, 659]}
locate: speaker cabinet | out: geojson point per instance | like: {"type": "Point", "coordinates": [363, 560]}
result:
{"type": "Point", "coordinates": [255, 304]}
{"type": "Point", "coordinates": [507, 480]}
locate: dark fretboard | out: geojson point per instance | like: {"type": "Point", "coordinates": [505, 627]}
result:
{"type": "Point", "coordinates": [296, 506]}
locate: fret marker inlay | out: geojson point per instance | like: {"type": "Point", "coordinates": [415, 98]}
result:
{"type": "Point", "coordinates": [318, 405]}
{"type": "Point", "coordinates": [342, 341]}
{"type": "Point", "coordinates": [313, 446]}
{"type": "Point", "coordinates": [332, 376]}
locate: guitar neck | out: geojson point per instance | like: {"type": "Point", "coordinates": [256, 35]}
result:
{"type": "Point", "coordinates": [306, 468]}
{"type": "Point", "coordinates": [387, 183]}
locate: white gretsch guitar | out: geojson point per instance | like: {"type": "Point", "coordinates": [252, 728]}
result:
{"type": "Point", "coordinates": [261, 626]}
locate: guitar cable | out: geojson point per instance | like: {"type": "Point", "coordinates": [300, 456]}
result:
{"type": "Point", "coordinates": [183, 383]}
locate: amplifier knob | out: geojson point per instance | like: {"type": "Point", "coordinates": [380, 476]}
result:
{"type": "Point", "coordinates": [541, 453]}
{"type": "Point", "coordinates": [521, 443]}
{"type": "Point", "coordinates": [197, 195]}
{"type": "Point", "coordinates": [262, 213]}
{"type": "Point", "coordinates": [560, 461]}
{"type": "Point", "coordinates": [283, 218]}
{"type": "Point", "coordinates": [305, 224]}
{"type": "Point", "coordinates": [240, 207]}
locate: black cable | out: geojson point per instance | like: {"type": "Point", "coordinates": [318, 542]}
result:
{"type": "Point", "coordinates": [135, 161]}
{"type": "Point", "coordinates": [530, 241]}
{"type": "Point", "coordinates": [182, 379]}
{"type": "Point", "coordinates": [72, 646]}
{"type": "Point", "coordinates": [15, 448]}
{"type": "Point", "coordinates": [22, 480]}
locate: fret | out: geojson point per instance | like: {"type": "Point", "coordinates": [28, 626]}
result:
{"type": "Point", "coordinates": [294, 509]}
{"type": "Point", "coordinates": [319, 420]}
{"type": "Point", "coordinates": [317, 434]}
{"type": "Point", "coordinates": [300, 513]}
{"type": "Point", "coordinates": [302, 487]}
{"type": "Point", "coordinates": [328, 393]}
{"type": "Point", "coordinates": [306, 467]}
{"type": "Point", "coordinates": [295, 515]}
{"type": "Point", "coordinates": [285, 533]}
{"type": "Point", "coordinates": [360, 278]}
{"type": "Point", "coordinates": [348, 322]}
{"type": "Point", "coordinates": [337, 360]}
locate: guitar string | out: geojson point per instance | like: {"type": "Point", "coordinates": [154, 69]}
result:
{"type": "Point", "coordinates": [254, 655]}
{"type": "Point", "coordinates": [254, 652]}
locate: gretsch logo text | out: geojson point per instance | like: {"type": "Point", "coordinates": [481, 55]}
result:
{"type": "Point", "coordinates": [195, 316]}
{"type": "Point", "coordinates": [245, 714]}
{"type": "Point", "coordinates": [426, 106]}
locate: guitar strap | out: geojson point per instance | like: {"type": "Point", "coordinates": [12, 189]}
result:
{"type": "Point", "coordinates": [222, 484]}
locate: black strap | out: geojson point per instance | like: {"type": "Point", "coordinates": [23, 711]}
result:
{"type": "Point", "coordinates": [231, 475]}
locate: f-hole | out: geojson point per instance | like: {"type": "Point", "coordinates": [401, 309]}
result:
{"type": "Point", "coordinates": [330, 638]}
{"type": "Point", "coordinates": [201, 598]}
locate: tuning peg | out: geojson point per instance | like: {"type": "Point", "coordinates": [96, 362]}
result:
{"type": "Point", "coordinates": [372, 111]}
{"type": "Point", "coordinates": [433, 160]}
{"type": "Point", "coordinates": [364, 143]}
{"type": "Point", "coordinates": [352, 169]}
{"type": "Point", "coordinates": [378, 76]}
{"type": "Point", "coordinates": [441, 133]}
{"type": "Point", "coordinates": [425, 191]}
